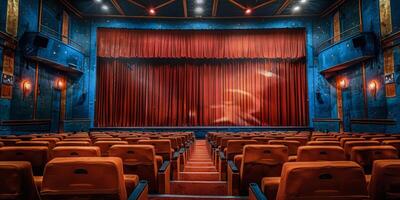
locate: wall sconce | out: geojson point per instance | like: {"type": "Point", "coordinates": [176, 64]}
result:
{"type": "Point", "coordinates": [26, 87]}
{"type": "Point", "coordinates": [373, 88]}
{"type": "Point", "coordinates": [59, 84]}
{"type": "Point", "coordinates": [343, 83]}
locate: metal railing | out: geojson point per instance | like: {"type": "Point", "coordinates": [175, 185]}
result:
{"type": "Point", "coordinates": [60, 37]}
{"type": "Point", "coordinates": [343, 35]}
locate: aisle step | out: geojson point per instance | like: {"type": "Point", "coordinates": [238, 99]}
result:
{"type": "Point", "coordinates": [199, 176]}
{"type": "Point", "coordinates": [192, 197]}
{"type": "Point", "coordinates": [215, 188]}
{"type": "Point", "coordinates": [200, 169]}
{"type": "Point", "coordinates": [190, 163]}
{"type": "Point", "coordinates": [200, 160]}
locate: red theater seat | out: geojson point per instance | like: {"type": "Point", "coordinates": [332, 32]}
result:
{"type": "Point", "coordinates": [366, 155]}
{"type": "Point", "coordinates": [72, 143]}
{"type": "Point", "coordinates": [385, 180]}
{"type": "Point", "coordinates": [394, 143]}
{"type": "Point", "coordinates": [16, 181]}
{"type": "Point", "coordinates": [37, 156]}
{"type": "Point", "coordinates": [162, 147]}
{"type": "Point", "coordinates": [106, 145]}
{"type": "Point", "coordinates": [33, 143]}
{"type": "Point", "coordinates": [10, 142]}
{"type": "Point", "coordinates": [348, 146]}
{"type": "Point", "coordinates": [135, 140]}
{"type": "Point", "coordinates": [76, 151]}
{"type": "Point", "coordinates": [323, 143]}
{"type": "Point", "coordinates": [320, 153]}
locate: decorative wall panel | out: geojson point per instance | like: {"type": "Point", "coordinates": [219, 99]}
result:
{"type": "Point", "coordinates": [386, 17]}
{"type": "Point", "coordinates": [12, 17]}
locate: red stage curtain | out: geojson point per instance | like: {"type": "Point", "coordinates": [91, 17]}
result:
{"type": "Point", "coordinates": [269, 44]}
{"type": "Point", "coordinates": [201, 93]}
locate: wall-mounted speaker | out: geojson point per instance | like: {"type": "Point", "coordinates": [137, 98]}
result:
{"type": "Point", "coordinates": [41, 41]}
{"type": "Point", "coordinates": [359, 42]}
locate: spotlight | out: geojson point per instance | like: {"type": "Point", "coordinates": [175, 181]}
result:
{"type": "Point", "coordinates": [26, 88]}
{"type": "Point", "coordinates": [373, 87]}
{"type": "Point", "coordinates": [343, 83]}
{"type": "Point", "coordinates": [303, 1]}
{"type": "Point", "coordinates": [296, 8]}
{"type": "Point", "coordinates": [198, 10]}
{"type": "Point", "coordinates": [199, 2]}
{"type": "Point", "coordinates": [104, 7]}
{"type": "Point", "coordinates": [98, 1]}
{"type": "Point", "coordinates": [59, 84]}
{"type": "Point", "coordinates": [152, 11]}
{"type": "Point", "coordinates": [248, 11]}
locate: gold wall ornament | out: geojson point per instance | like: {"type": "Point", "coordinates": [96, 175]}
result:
{"type": "Point", "coordinates": [65, 28]}
{"type": "Point", "coordinates": [386, 17]}
{"type": "Point", "coordinates": [12, 17]}
{"type": "Point", "coordinates": [336, 27]}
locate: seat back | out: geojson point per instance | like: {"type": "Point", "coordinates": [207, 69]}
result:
{"type": "Point", "coordinates": [385, 180]}
{"type": "Point", "coordinates": [52, 141]}
{"type": "Point", "coordinates": [291, 144]}
{"type": "Point", "coordinates": [106, 145]}
{"type": "Point", "coordinates": [135, 140]}
{"type": "Point", "coordinates": [366, 155]}
{"type": "Point", "coordinates": [303, 140]}
{"type": "Point", "coordinates": [261, 161]}
{"type": "Point", "coordinates": [72, 143]}
{"type": "Point", "coordinates": [162, 147]}
{"type": "Point", "coordinates": [1, 144]}
{"type": "Point", "coordinates": [340, 180]}
{"type": "Point", "coordinates": [17, 181]}
{"type": "Point", "coordinates": [10, 142]}
{"type": "Point", "coordinates": [394, 143]}
{"type": "Point", "coordinates": [37, 156]}
{"type": "Point", "coordinates": [320, 153]}
{"type": "Point", "coordinates": [139, 160]}
{"type": "Point", "coordinates": [348, 139]}
{"type": "Point", "coordinates": [380, 139]}
{"type": "Point", "coordinates": [75, 151]}
{"type": "Point", "coordinates": [323, 143]}
{"type": "Point", "coordinates": [350, 144]}
{"type": "Point", "coordinates": [235, 147]}
{"type": "Point", "coordinates": [224, 141]}
{"type": "Point", "coordinates": [84, 178]}
{"type": "Point", "coordinates": [33, 143]}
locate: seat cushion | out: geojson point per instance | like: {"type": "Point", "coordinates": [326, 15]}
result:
{"type": "Point", "coordinates": [292, 158]}
{"type": "Point", "coordinates": [270, 185]}
{"type": "Point", "coordinates": [131, 181]}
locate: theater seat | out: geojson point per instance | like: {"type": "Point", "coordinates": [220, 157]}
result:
{"type": "Point", "coordinates": [1, 144]}
{"type": "Point", "coordinates": [323, 143]}
{"type": "Point", "coordinates": [385, 180]}
{"type": "Point", "coordinates": [16, 181]}
{"type": "Point", "coordinates": [347, 139]}
{"type": "Point", "coordinates": [162, 147]}
{"type": "Point", "coordinates": [303, 140]}
{"type": "Point", "coordinates": [135, 140]}
{"type": "Point", "coordinates": [340, 180]}
{"type": "Point", "coordinates": [394, 143]}
{"type": "Point", "coordinates": [9, 142]}
{"type": "Point", "coordinates": [366, 155]}
{"type": "Point", "coordinates": [37, 156]}
{"type": "Point", "coordinates": [72, 143]}
{"type": "Point", "coordinates": [76, 151]}
{"type": "Point", "coordinates": [52, 141]}
{"type": "Point", "coordinates": [106, 145]}
{"type": "Point", "coordinates": [84, 178]}
{"type": "Point", "coordinates": [141, 160]}
{"type": "Point", "coordinates": [258, 161]}
{"type": "Point", "coordinates": [291, 144]}
{"type": "Point", "coordinates": [33, 143]}
{"type": "Point", "coordinates": [320, 153]}
{"type": "Point", "coordinates": [350, 144]}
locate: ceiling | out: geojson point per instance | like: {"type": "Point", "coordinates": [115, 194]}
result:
{"type": "Point", "coordinates": [200, 8]}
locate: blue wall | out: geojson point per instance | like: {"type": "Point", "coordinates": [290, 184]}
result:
{"type": "Point", "coordinates": [81, 89]}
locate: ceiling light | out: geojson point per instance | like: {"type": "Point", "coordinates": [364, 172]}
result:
{"type": "Point", "coordinates": [152, 11]}
{"type": "Point", "coordinates": [248, 11]}
{"type": "Point", "coordinates": [104, 7]}
{"type": "Point", "coordinates": [296, 8]}
{"type": "Point", "coordinates": [303, 1]}
{"type": "Point", "coordinates": [97, 1]}
{"type": "Point", "coordinates": [198, 10]}
{"type": "Point", "coordinates": [199, 1]}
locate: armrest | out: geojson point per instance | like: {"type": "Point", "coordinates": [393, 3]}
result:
{"type": "Point", "coordinates": [255, 192]}
{"type": "Point", "coordinates": [232, 166]}
{"type": "Point", "coordinates": [222, 155]}
{"type": "Point", "coordinates": [182, 150]}
{"type": "Point", "coordinates": [164, 167]}
{"type": "Point", "coordinates": [175, 156]}
{"type": "Point", "coordinates": [164, 177]}
{"type": "Point", "coordinates": [140, 192]}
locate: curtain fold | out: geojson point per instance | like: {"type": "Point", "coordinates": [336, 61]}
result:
{"type": "Point", "coordinates": [197, 93]}
{"type": "Point", "coordinates": [223, 44]}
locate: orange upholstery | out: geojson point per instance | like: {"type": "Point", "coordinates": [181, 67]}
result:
{"type": "Point", "coordinates": [33, 143]}
{"type": "Point", "coordinates": [139, 160]}
{"type": "Point", "coordinates": [84, 178]}
{"type": "Point", "coordinates": [366, 155]}
{"type": "Point", "coordinates": [344, 140]}
{"type": "Point", "coordinates": [9, 142]}
{"type": "Point", "coordinates": [76, 151]}
{"type": "Point", "coordinates": [16, 182]}
{"type": "Point", "coordinates": [322, 180]}
{"type": "Point", "coordinates": [270, 186]}
{"type": "Point", "coordinates": [303, 140]}
{"type": "Point", "coordinates": [37, 156]}
{"type": "Point", "coordinates": [380, 139]}
{"type": "Point", "coordinates": [320, 153]}
{"type": "Point", "coordinates": [1, 144]}
{"type": "Point", "coordinates": [162, 147]}
{"type": "Point", "coordinates": [323, 143]}
{"type": "Point", "coordinates": [385, 180]}
{"type": "Point", "coordinates": [106, 145]}
{"type": "Point", "coordinates": [326, 139]}
{"type": "Point", "coordinates": [107, 139]}
{"type": "Point", "coordinates": [350, 144]}
{"type": "Point", "coordinates": [235, 147]}
{"type": "Point", "coordinates": [261, 161]}
{"type": "Point", "coordinates": [72, 143]}
{"type": "Point", "coordinates": [135, 140]}
{"type": "Point", "coordinates": [78, 139]}
{"type": "Point", "coordinates": [394, 143]}
{"type": "Point", "coordinates": [52, 141]}
{"type": "Point", "coordinates": [262, 140]}
{"type": "Point", "coordinates": [291, 144]}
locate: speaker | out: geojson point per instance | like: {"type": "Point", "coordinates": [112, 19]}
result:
{"type": "Point", "coordinates": [40, 41]}
{"type": "Point", "coordinates": [359, 42]}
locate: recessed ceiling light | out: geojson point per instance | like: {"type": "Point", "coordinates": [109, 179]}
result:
{"type": "Point", "coordinates": [303, 1]}
{"type": "Point", "coordinates": [104, 7]}
{"type": "Point", "coordinates": [97, 1]}
{"type": "Point", "coordinates": [198, 10]}
{"type": "Point", "coordinates": [199, 1]}
{"type": "Point", "coordinates": [248, 11]}
{"type": "Point", "coordinates": [296, 8]}
{"type": "Point", "coordinates": [152, 11]}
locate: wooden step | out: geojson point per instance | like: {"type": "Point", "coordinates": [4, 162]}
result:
{"type": "Point", "coordinates": [200, 169]}
{"type": "Point", "coordinates": [190, 163]}
{"type": "Point", "coordinates": [192, 197]}
{"type": "Point", "coordinates": [199, 176]}
{"type": "Point", "coordinates": [217, 188]}
{"type": "Point", "coordinates": [200, 160]}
